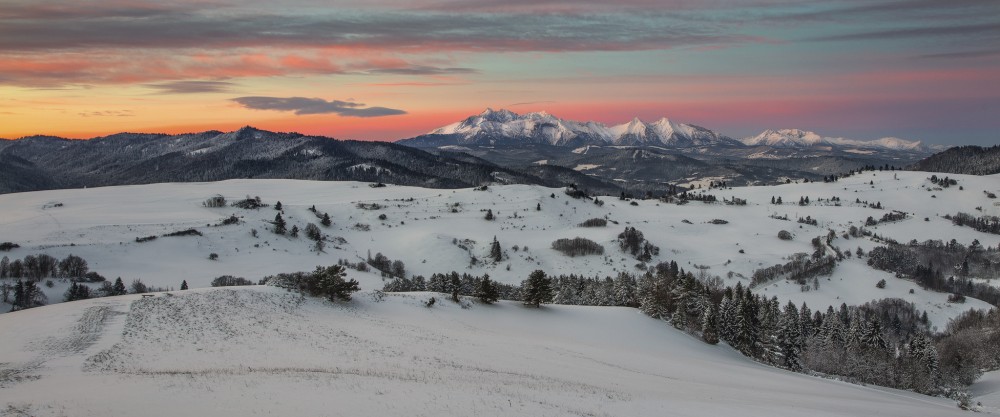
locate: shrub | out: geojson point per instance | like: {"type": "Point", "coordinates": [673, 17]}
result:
{"type": "Point", "coordinates": [578, 246]}
{"type": "Point", "coordinates": [249, 203]}
{"type": "Point", "coordinates": [785, 235]}
{"type": "Point", "coordinates": [213, 256]}
{"type": "Point", "coordinates": [880, 284]}
{"type": "Point", "coordinates": [215, 202]}
{"type": "Point", "coordinates": [956, 298]}
{"type": "Point", "coordinates": [718, 221]}
{"type": "Point", "coordinates": [312, 232]}
{"type": "Point", "coordinates": [595, 222]}
{"type": "Point", "coordinates": [188, 232]}
{"type": "Point", "coordinates": [8, 246]}
{"type": "Point", "coordinates": [145, 239]}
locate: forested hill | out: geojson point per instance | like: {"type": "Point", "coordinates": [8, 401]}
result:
{"type": "Point", "coordinates": [972, 160]}
{"type": "Point", "coordinates": [40, 163]}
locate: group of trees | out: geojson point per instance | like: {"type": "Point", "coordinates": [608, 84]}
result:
{"type": "Point", "coordinates": [41, 266]}
{"type": "Point", "coordinates": [456, 284]}
{"type": "Point", "coordinates": [633, 242]}
{"type": "Point", "coordinates": [801, 268]}
{"type": "Point", "coordinates": [329, 282]}
{"type": "Point", "coordinates": [985, 224]}
{"type": "Point", "coordinates": [386, 266]}
{"type": "Point", "coordinates": [886, 342]}
{"type": "Point", "coordinates": [578, 246]}
{"type": "Point", "coordinates": [227, 281]}
{"type": "Point", "coordinates": [944, 267]}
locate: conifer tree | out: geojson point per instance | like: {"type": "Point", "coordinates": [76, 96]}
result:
{"type": "Point", "coordinates": [486, 291]}
{"type": "Point", "coordinates": [790, 338]}
{"type": "Point", "coordinates": [496, 253]}
{"type": "Point", "coordinates": [326, 222]}
{"type": "Point", "coordinates": [489, 214]}
{"type": "Point", "coordinates": [184, 285]}
{"type": "Point", "coordinates": [710, 325]}
{"type": "Point", "coordinates": [119, 287]}
{"type": "Point", "coordinates": [277, 206]}
{"type": "Point", "coordinates": [332, 285]}
{"type": "Point", "coordinates": [537, 289]}
{"type": "Point", "coordinates": [294, 232]}
{"type": "Point", "coordinates": [279, 225]}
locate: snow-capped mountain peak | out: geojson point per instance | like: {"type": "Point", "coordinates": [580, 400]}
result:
{"type": "Point", "coordinates": [496, 127]}
{"type": "Point", "coordinates": [796, 138]}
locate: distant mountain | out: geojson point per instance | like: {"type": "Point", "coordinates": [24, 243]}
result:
{"type": "Point", "coordinates": [37, 163]}
{"type": "Point", "coordinates": [504, 127]}
{"type": "Point", "coordinates": [795, 138]}
{"type": "Point", "coordinates": [973, 160]}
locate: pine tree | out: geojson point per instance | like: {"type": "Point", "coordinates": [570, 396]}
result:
{"type": "Point", "coordinates": [119, 287]}
{"type": "Point", "coordinates": [184, 285]}
{"type": "Point", "coordinates": [18, 296]}
{"type": "Point", "coordinates": [279, 224]}
{"type": "Point", "coordinates": [326, 222]}
{"type": "Point", "coordinates": [537, 289]}
{"type": "Point", "coordinates": [277, 206]}
{"type": "Point", "coordinates": [487, 292]}
{"type": "Point", "coordinates": [489, 214]}
{"type": "Point", "coordinates": [294, 232]}
{"type": "Point", "coordinates": [624, 291]}
{"type": "Point", "coordinates": [710, 325]}
{"type": "Point", "coordinates": [496, 253]}
{"type": "Point", "coordinates": [77, 292]}
{"type": "Point", "coordinates": [538, 207]}
{"type": "Point", "coordinates": [332, 285]}
{"type": "Point", "coordinates": [790, 338]}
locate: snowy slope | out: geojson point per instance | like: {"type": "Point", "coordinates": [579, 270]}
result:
{"type": "Point", "coordinates": [422, 227]}
{"type": "Point", "coordinates": [262, 351]}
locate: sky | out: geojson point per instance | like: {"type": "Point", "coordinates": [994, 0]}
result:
{"type": "Point", "coordinates": [924, 70]}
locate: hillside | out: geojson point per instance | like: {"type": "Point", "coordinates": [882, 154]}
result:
{"type": "Point", "coordinates": [37, 163]}
{"type": "Point", "coordinates": [972, 160]}
{"type": "Point", "coordinates": [262, 351]}
{"type": "Point", "coordinates": [437, 231]}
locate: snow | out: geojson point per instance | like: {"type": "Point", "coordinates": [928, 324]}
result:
{"type": "Point", "coordinates": [585, 167]}
{"type": "Point", "coordinates": [987, 391]}
{"type": "Point", "coordinates": [796, 138]}
{"type": "Point", "coordinates": [101, 224]}
{"type": "Point", "coordinates": [263, 351]}
{"type": "Point", "coordinates": [555, 131]}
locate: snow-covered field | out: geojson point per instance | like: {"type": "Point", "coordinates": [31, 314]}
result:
{"type": "Point", "coordinates": [424, 227]}
{"type": "Point", "coordinates": [263, 351]}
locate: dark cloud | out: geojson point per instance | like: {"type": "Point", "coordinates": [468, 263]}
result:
{"type": "Point", "coordinates": [394, 30]}
{"type": "Point", "coordinates": [987, 29]}
{"type": "Point", "coordinates": [961, 54]}
{"type": "Point", "coordinates": [192, 87]}
{"type": "Point", "coordinates": [304, 105]}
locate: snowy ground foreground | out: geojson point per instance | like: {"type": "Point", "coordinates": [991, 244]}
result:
{"type": "Point", "coordinates": [263, 351]}
{"type": "Point", "coordinates": [986, 391]}
{"type": "Point", "coordinates": [101, 225]}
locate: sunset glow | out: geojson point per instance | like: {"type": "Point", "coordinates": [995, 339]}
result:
{"type": "Point", "coordinates": [379, 70]}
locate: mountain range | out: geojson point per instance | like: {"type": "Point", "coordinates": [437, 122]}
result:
{"type": "Point", "coordinates": [504, 127]}
{"type": "Point", "coordinates": [44, 162]}
{"type": "Point", "coordinates": [493, 147]}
